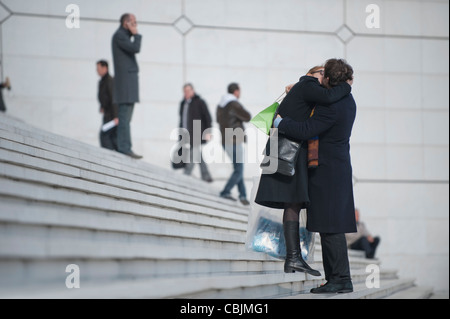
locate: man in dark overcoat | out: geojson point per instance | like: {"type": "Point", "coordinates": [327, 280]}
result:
{"type": "Point", "coordinates": [126, 43]}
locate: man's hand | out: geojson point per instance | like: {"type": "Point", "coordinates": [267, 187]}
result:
{"type": "Point", "coordinates": [116, 120]}
{"type": "Point", "coordinates": [133, 28]}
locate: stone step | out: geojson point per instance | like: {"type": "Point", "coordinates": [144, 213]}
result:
{"type": "Point", "coordinates": [413, 293]}
{"type": "Point", "coordinates": [387, 288]}
{"type": "Point", "coordinates": [156, 289]}
{"type": "Point", "coordinates": [25, 241]}
{"type": "Point", "coordinates": [45, 221]}
{"type": "Point", "coordinates": [160, 209]}
{"type": "Point", "coordinates": [126, 258]}
{"type": "Point", "coordinates": [16, 273]}
{"type": "Point", "coordinates": [16, 154]}
{"type": "Point", "coordinates": [39, 221]}
{"type": "Point", "coordinates": [280, 290]}
{"type": "Point", "coordinates": [440, 295]}
{"type": "Point", "coordinates": [361, 291]}
{"type": "Point", "coordinates": [135, 230]}
{"type": "Point", "coordinates": [236, 286]}
{"type": "Point", "coordinates": [54, 146]}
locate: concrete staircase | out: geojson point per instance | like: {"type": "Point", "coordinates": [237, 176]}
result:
{"type": "Point", "coordinates": [134, 230]}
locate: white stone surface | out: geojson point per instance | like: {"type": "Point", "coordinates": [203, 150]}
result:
{"type": "Point", "coordinates": [4, 14]}
{"type": "Point", "coordinates": [435, 93]}
{"type": "Point", "coordinates": [436, 163]}
{"type": "Point", "coordinates": [309, 15]}
{"type": "Point", "coordinates": [400, 141]}
{"type": "Point", "coordinates": [369, 161]}
{"type": "Point", "coordinates": [434, 122]}
{"type": "Point", "coordinates": [158, 11]}
{"type": "Point", "coordinates": [401, 18]}
{"type": "Point", "coordinates": [370, 126]}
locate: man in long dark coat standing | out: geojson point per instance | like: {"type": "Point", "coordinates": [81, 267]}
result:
{"type": "Point", "coordinates": [126, 43]}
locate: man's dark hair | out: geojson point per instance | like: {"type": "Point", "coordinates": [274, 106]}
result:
{"type": "Point", "coordinates": [338, 71]}
{"type": "Point", "coordinates": [103, 63]}
{"type": "Point", "coordinates": [188, 85]}
{"type": "Point", "coordinates": [233, 87]}
{"type": "Point", "coordinates": [125, 17]}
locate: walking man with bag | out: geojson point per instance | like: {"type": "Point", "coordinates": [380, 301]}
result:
{"type": "Point", "coordinates": [231, 116]}
{"type": "Point", "coordinates": [194, 111]}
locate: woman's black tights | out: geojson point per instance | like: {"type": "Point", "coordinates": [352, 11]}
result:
{"type": "Point", "coordinates": [292, 212]}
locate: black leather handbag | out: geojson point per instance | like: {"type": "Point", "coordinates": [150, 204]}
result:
{"type": "Point", "coordinates": [285, 159]}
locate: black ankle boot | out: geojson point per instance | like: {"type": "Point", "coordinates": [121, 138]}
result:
{"type": "Point", "coordinates": [294, 260]}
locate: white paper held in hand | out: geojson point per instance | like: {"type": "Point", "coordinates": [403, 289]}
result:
{"type": "Point", "coordinates": [108, 126]}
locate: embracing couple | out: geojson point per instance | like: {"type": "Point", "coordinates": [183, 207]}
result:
{"type": "Point", "coordinates": [326, 191]}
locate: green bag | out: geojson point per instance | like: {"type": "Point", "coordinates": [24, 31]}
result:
{"type": "Point", "coordinates": [264, 119]}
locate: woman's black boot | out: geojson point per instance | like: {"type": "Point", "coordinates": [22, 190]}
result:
{"type": "Point", "coordinates": [294, 260]}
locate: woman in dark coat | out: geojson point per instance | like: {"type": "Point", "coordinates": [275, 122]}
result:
{"type": "Point", "coordinates": [332, 210]}
{"type": "Point", "coordinates": [291, 193]}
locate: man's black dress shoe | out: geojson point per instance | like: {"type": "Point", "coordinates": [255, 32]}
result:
{"type": "Point", "coordinates": [334, 288]}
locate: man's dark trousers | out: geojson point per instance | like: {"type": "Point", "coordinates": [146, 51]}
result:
{"type": "Point", "coordinates": [335, 258]}
{"type": "Point", "coordinates": [123, 130]}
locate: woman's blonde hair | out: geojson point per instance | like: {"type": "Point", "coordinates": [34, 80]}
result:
{"type": "Point", "coordinates": [315, 69]}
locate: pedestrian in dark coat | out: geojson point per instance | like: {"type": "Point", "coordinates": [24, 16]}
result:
{"type": "Point", "coordinates": [231, 116]}
{"type": "Point", "coordinates": [110, 110]}
{"type": "Point", "coordinates": [4, 85]}
{"type": "Point", "coordinates": [331, 211]}
{"type": "Point", "coordinates": [126, 43]}
{"type": "Point", "coordinates": [2, 102]}
{"type": "Point", "coordinates": [194, 111]}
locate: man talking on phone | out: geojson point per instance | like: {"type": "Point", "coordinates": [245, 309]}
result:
{"type": "Point", "coordinates": [126, 43]}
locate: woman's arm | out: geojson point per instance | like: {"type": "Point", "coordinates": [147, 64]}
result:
{"type": "Point", "coordinates": [324, 118]}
